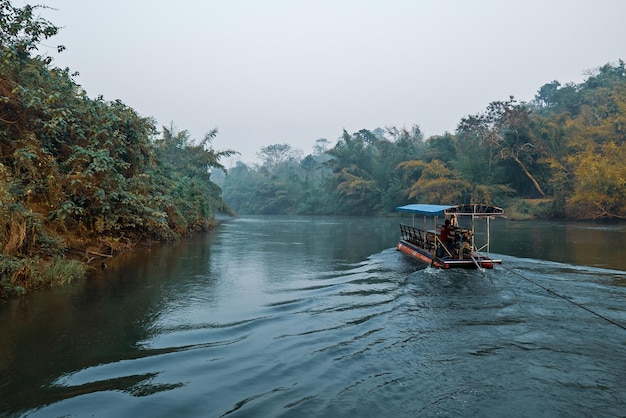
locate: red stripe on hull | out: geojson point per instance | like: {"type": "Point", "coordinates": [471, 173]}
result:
{"type": "Point", "coordinates": [418, 255]}
{"type": "Point", "coordinates": [422, 256]}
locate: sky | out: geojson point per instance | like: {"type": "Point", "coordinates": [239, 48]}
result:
{"type": "Point", "coordinates": [267, 72]}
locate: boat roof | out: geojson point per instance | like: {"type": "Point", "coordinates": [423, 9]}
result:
{"type": "Point", "coordinates": [437, 210]}
{"type": "Point", "coordinates": [423, 209]}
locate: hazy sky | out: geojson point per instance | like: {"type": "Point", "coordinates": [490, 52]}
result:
{"type": "Point", "coordinates": [292, 71]}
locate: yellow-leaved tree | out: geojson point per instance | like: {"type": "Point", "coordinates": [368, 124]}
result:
{"type": "Point", "coordinates": [439, 185]}
{"type": "Point", "coordinates": [600, 182]}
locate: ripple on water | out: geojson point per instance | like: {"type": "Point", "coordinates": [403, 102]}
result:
{"type": "Point", "coordinates": [382, 338]}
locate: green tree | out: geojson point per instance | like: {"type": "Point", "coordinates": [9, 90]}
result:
{"type": "Point", "coordinates": [439, 185]}
{"type": "Point", "coordinates": [186, 166]}
{"type": "Point", "coordinates": [241, 185]}
{"type": "Point", "coordinates": [351, 163]}
{"type": "Point", "coordinates": [79, 177]}
{"type": "Point", "coordinates": [506, 128]}
{"type": "Point", "coordinates": [21, 31]}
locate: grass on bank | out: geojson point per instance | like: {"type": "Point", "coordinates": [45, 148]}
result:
{"type": "Point", "coordinates": [19, 276]}
{"type": "Point", "coordinates": [526, 209]}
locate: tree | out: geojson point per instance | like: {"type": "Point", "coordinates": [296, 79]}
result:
{"type": "Point", "coordinates": [240, 188]}
{"type": "Point", "coordinates": [81, 177]}
{"type": "Point", "coordinates": [600, 185]}
{"type": "Point", "coordinates": [189, 157]}
{"type": "Point", "coordinates": [505, 127]}
{"type": "Point", "coordinates": [272, 156]}
{"type": "Point", "coordinates": [438, 184]}
{"type": "Point", "coordinates": [409, 143]}
{"type": "Point", "coordinates": [352, 162]}
{"type": "Point", "coordinates": [442, 147]}
{"type": "Point", "coordinates": [21, 32]}
{"type": "Point", "coordinates": [192, 198]}
{"type": "Point", "coordinates": [321, 145]}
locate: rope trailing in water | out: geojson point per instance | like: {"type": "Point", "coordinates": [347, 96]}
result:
{"type": "Point", "coordinates": [567, 299]}
{"type": "Point", "coordinates": [482, 270]}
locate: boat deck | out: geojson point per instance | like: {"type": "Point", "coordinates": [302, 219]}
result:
{"type": "Point", "coordinates": [425, 246]}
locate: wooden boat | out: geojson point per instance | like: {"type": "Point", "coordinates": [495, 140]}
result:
{"type": "Point", "coordinates": [461, 250]}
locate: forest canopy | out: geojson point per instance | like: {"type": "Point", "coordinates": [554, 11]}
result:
{"type": "Point", "coordinates": [564, 151]}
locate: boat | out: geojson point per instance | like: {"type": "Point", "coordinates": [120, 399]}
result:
{"type": "Point", "coordinates": [461, 249]}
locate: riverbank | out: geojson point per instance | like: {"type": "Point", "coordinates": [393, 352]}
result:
{"type": "Point", "coordinates": [528, 209]}
{"type": "Point", "coordinates": [21, 275]}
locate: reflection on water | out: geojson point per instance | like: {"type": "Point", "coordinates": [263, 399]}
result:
{"type": "Point", "coordinates": [582, 243]}
{"type": "Point", "coordinates": [319, 317]}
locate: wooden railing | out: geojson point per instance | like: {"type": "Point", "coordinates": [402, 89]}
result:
{"type": "Point", "coordinates": [423, 239]}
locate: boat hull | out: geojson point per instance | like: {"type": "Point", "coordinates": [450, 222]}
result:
{"type": "Point", "coordinates": [425, 257]}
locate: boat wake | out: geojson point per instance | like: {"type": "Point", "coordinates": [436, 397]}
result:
{"type": "Point", "coordinates": [338, 342]}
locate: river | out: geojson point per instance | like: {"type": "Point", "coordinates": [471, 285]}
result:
{"type": "Point", "coordinates": [322, 317]}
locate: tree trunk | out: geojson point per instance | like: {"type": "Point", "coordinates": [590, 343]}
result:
{"type": "Point", "coordinates": [530, 176]}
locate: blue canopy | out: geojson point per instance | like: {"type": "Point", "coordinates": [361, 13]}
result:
{"type": "Point", "coordinates": [437, 210]}
{"type": "Point", "coordinates": [426, 210]}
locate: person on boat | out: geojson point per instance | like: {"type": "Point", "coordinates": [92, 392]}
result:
{"type": "Point", "coordinates": [446, 235]}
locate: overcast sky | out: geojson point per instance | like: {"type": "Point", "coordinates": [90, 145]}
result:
{"type": "Point", "coordinates": [292, 71]}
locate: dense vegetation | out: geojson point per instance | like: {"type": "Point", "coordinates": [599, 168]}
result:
{"type": "Point", "coordinates": [82, 179]}
{"type": "Point", "coordinates": [561, 155]}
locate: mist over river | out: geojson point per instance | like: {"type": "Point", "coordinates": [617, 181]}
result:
{"type": "Point", "coordinates": [323, 317]}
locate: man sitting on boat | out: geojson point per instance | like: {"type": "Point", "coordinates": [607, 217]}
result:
{"type": "Point", "coordinates": [446, 235]}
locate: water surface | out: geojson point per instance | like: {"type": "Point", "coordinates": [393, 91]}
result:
{"type": "Point", "coordinates": [298, 316]}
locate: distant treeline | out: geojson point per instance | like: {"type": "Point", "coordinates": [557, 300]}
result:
{"type": "Point", "coordinates": [561, 155]}
{"type": "Point", "coordinates": [83, 179]}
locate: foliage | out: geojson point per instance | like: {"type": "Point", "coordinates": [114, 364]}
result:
{"type": "Point", "coordinates": [438, 184]}
{"type": "Point", "coordinates": [20, 275]}
{"type": "Point", "coordinates": [565, 149]}
{"type": "Point", "coordinates": [600, 185]}
{"type": "Point", "coordinates": [283, 184]}
{"type": "Point", "coordinates": [505, 128]}
{"type": "Point", "coordinates": [79, 176]}
{"type": "Point", "coordinates": [190, 198]}
{"type": "Point", "coordinates": [21, 31]}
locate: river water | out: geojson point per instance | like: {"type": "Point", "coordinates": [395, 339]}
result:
{"type": "Point", "coordinates": [322, 317]}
